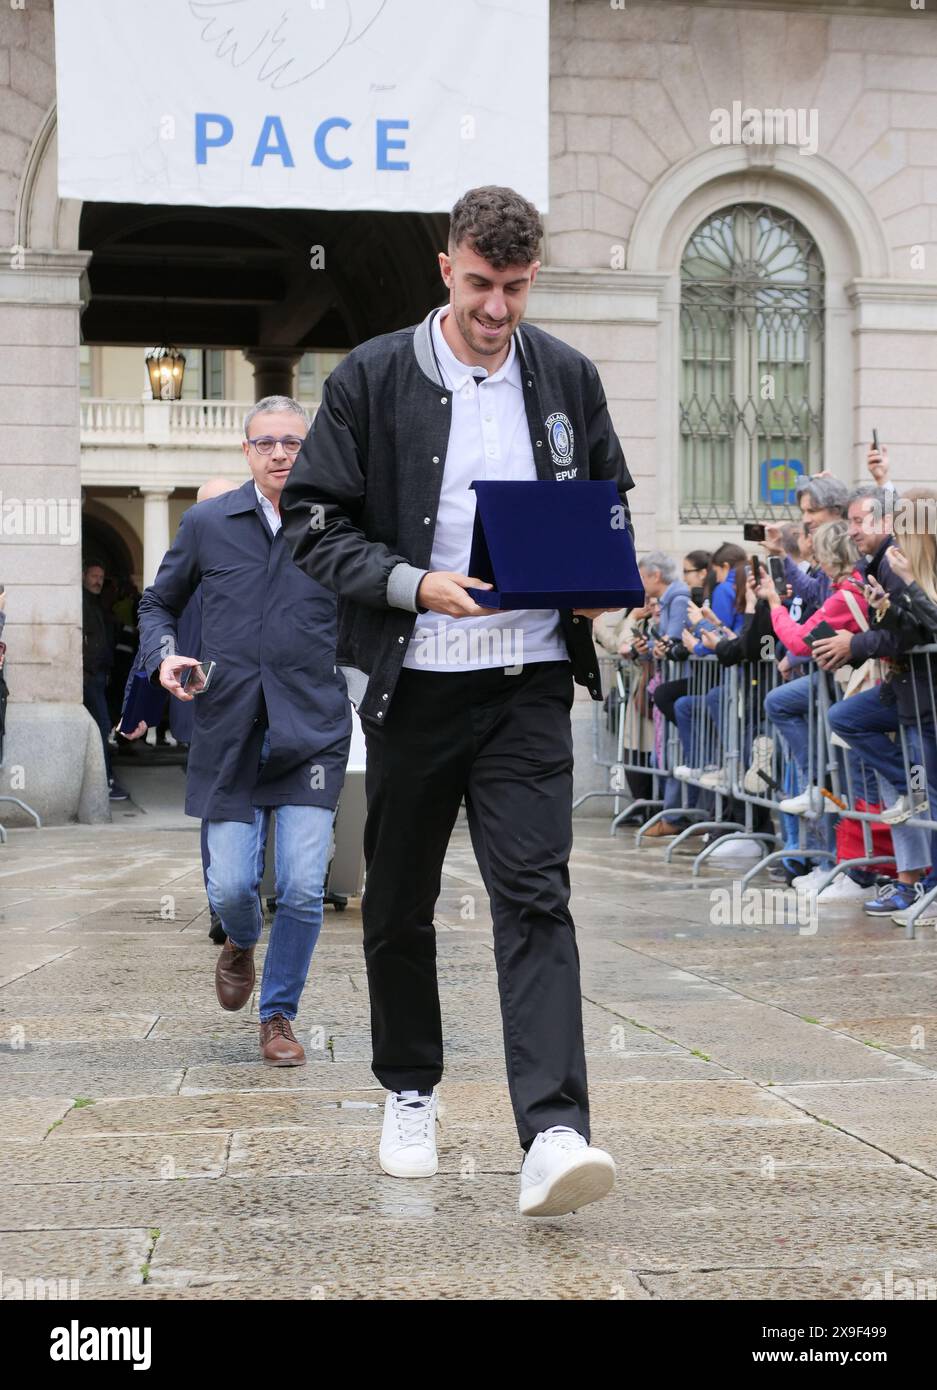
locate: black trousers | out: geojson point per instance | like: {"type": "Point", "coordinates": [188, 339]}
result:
{"type": "Point", "coordinates": [504, 743]}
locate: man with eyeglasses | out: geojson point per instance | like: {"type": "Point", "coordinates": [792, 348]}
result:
{"type": "Point", "coordinates": [272, 727]}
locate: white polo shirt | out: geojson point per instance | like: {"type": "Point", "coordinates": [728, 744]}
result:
{"type": "Point", "coordinates": [488, 439]}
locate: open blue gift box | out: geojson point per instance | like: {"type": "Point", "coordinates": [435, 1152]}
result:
{"type": "Point", "coordinates": [553, 545]}
{"type": "Point", "coordinates": [146, 701]}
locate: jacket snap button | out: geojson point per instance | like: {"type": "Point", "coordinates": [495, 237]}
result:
{"type": "Point", "coordinates": [575, 620]}
{"type": "Point", "coordinates": [443, 400]}
{"type": "Point", "coordinates": [380, 714]}
{"type": "Point", "coordinates": [539, 443]}
{"type": "Point", "coordinates": [426, 521]}
{"type": "Point", "coordinates": [384, 696]}
{"type": "Point", "coordinates": [399, 639]}
{"type": "Point", "coordinates": [435, 458]}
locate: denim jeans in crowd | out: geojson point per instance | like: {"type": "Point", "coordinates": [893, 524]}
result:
{"type": "Point", "coordinates": [235, 868]}
{"type": "Point", "coordinates": [865, 721]}
{"type": "Point", "coordinates": [786, 708]}
{"type": "Point", "coordinates": [922, 749]}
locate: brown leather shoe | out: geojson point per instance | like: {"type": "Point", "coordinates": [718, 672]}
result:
{"type": "Point", "coordinates": [661, 830]}
{"type": "Point", "coordinates": [278, 1046]}
{"type": "Point", "coordinates": [234, 976]}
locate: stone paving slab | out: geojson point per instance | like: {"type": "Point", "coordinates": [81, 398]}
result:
{"type": "Point", "coordinates": [29, 1120]}
{"type": "Point", "coordinates": [767, 1044]}
{"type": "Point", "coordinates": [245, 1181]}
{"type": "Point", "coordinates": [114, 1158]}
{"type": "Point", "coordinates": [898, 1117]}
{"type": "Point", "coordinates": [80, 1081]}
{"type": "Point", "coordinates": [102, 1261]}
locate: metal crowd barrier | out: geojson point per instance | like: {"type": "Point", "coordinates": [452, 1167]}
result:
{"type": "Point", "coordinates": [731, 758]}
{"type": "Point", "coordinates": [845, 776]}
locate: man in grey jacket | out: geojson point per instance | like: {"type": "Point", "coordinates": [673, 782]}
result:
{"type": "Point", "coordinates": [461, 701]}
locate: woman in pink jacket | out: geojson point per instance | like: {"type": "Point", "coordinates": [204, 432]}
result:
{"type": "Point", "coordinates": [846, 609]}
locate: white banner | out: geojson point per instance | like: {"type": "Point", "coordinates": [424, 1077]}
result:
{"type": "Point", "coordinates": [399, 105]}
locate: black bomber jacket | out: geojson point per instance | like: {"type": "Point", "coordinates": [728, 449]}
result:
{"type": "Point", "coordinates": [359, 507]}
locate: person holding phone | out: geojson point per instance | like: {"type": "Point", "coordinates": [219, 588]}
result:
{"type": "Point", "coordinates": [272, 724]}
{"type": "Point", "coordinates": [839, 558]}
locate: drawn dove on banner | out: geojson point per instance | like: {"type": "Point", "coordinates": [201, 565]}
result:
{"type": "Point", "coordinates": [287, 45]}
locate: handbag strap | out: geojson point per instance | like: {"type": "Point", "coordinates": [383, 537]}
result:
{"type": "Point", "coordinates": [854, 609]}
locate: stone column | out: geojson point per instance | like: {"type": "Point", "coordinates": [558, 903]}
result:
{"type": "Point", "coordinates": [274, 369]}
{"type": "Point", "coordinates": [52, 757]}
{"type": "Point", "coordinates": [155, 529]}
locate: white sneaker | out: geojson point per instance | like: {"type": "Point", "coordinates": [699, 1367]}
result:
{"type": "Point", "coordinates": [810, 880]}
{"type": "Point", "coordinates": [843, 889]}
{"type": "Point", "coordinates": [808, 803]}
{"type": "Point", "coordinates": [562, 1173]}
{"type": "Point", "coordinates": [683, 773]}
{"type": "Point", "coordinates": [734, 849]}
{"type": "Point", "coordinates": [715, 779]}
{"type": "Point", "coordinates": [408, 1139]}
{"type": "Point", "coordinates": [762, 762]}
{"type": "Point", "coordinates": [928, 917]}
{"type": "Point", "coordinates": [903, 810]}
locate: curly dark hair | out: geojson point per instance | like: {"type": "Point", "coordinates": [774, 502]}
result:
{"type": "Point", "coordinates": [501, 226]}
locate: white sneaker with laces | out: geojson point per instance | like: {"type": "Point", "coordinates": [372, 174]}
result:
{"type": "Point", "coordinates": [561, 1173]}
{"type": "Point", "coordinates": [808, 803]}
{"type": "Point", "coordinates": [762, 762]}
{"type": "Point", "coordinates": [843, 889]}
{"type": "Point", "coordinates": [408, 1138]}
{"type": "Point", "coordinates": [903, 810]}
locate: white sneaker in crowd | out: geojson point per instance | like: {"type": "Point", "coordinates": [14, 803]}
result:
{"type": "Point", "coordinates": [808, 803]}
{"type": "Point", "coordinates": [727, 848]}
{"type": "Point", "coordinates": [561, 1173]}
{"type": "Point", "coordinates": [928, 917]}
{"type": "Point", "coordinates": [903, 810]}
{"type": "Point", "coordinates": [762, 762]}
{"type": "Point", "coordinates": [684, 773]}
{"type": "Point", "coordinates": [715, 779]}
{"type": "Point", "coordinates": [811, 880]}
{"type": "Point", "coordinates": [408, 1138]}
{"type": "Point", "coordinates": [843, 889]}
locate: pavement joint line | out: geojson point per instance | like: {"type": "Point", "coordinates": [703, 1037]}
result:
{"type": "Point", "coordinates": [766, 1004]}
{"type": "Point", "coordinates": [869, 1143]}
{"type": "Point", "coordinates": [61, 956]}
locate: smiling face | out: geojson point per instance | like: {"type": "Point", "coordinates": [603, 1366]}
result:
{"type": "Point", "coordinates": [868, 524]}
{"type": "Point", "coordinates": [271, 470]}
{"type": "Point", "coordinates": [486, 305]}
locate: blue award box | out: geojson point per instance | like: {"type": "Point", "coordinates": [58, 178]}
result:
{"type": "Point", "coordinates": [144, 701]}
{"type": "Point", "coordinates": [553, 545]}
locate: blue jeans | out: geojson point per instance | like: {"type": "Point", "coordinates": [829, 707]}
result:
{"type": "Point", "coordinates": [235, 868]}
{"type": "Point", "coordinates": [786, 707]}
{"type": "Point", "coordinates": [865, 722]}
{"type": "Point", "coordinates": [922, 747]}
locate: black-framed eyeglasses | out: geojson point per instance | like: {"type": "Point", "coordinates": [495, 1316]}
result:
{"type": "Point", "coordinates": [265, 444]}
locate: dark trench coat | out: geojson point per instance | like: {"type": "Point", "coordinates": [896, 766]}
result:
{"type": "Point", "coordinates": [271, 630]}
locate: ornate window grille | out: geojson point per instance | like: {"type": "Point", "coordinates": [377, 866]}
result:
{"type": "Point", "coordinates": [751, 397]}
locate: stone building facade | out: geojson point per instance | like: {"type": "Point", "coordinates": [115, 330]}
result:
{"type": "Point", "coordinates": [742, 233]}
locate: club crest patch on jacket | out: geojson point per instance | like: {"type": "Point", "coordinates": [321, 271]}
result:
{"type": "Point", "coordinates": [560, 437]}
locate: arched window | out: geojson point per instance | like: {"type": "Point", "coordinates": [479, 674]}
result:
{"type": "Point", "coordinates": [751, 394]}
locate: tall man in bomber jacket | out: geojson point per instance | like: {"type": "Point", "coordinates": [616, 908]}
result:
{"type": "Point", "coordinates": [455, 699]}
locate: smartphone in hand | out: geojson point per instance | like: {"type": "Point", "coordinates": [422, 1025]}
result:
{"type": "Point", "coordinates": [195, 680]}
